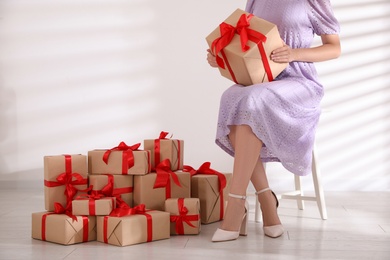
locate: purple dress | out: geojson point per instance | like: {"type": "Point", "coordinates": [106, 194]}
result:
{"type": "Point", "coordinates": [284, 113]}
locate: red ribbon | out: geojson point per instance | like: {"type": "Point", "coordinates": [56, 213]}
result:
{"type": "Point", "coordinates": [163, 178]}
{"type": "Point", "coordinates": [69, 179]}
{"type": "Point", "coordinates": [127, 211]}
{"type": "Point", "coordinates": [109, 191]}
{"type": "Point", "coordinates": [127, 155]}
{"type": "Point", "coordinates": [183, 217]}
{"type": "Point", "coordinates": [157, 148]}
{"type": "Point", "coordinates": [205, 169]}
{"type": "Point", "coordinates": [242, 28]}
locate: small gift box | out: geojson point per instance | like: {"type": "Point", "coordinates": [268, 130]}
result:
{"type": "Point", "coordinates": [185, 215]}
{"type": "Point", "coordinates": [243, 44]}
{"type": "Point", "coordinates": [118, 186]}
{"type": "Point", "coordinates": [165, 148]}
{"type": "Point", "coordinates": [63, 229]}
{"type": "Point", "coordinates": [211, 187]}
{"type": "Point", "coordinates": [122, 159]}
{"type": "Point", "coordinates": [133, 226]}
{"type": "Point", "coordinates": [154, 188]}
{"type": "Point", "coordinates": [91, 205]}
{"type": "Point", "coordinates": [64, 176]}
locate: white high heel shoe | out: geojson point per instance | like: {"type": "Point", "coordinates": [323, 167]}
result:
{"type": "Point", "coordinates": [221, 235]}
{"type": "Point", "coordinates": [275, 230]}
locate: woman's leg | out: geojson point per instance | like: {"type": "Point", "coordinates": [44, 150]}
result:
{"type": "Point", "coordinates": [266, 199]}
{"type": "Point", "coordinates": [247, 149]}
{"type": "Point", "coordinates": [260, 181]}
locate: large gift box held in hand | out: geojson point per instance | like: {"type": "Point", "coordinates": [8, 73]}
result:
{"type": "Point", "coordinates": [243, 44]}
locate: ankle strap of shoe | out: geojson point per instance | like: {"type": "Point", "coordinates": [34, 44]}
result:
{"type": "Point", "coordinates": [261, 191]}
{"type": "Point", "coordinates": [237, 196]}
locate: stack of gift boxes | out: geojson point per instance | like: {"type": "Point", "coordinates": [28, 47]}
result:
{"type": "Point", "coordinates": [126, 195]}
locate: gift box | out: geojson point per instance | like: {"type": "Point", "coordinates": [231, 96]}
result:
{"type": "Point", "coordinates": [165, 148]}
{"type": "Point", "coordinates": [64, 177]}
{"type": "Point", "coordinates": [93, 205]}
{"type": "Point", "coordinates": [62, 229]}
{"type": "Point", "coordinates": [118, 186]}
{"type": "Point", "coordinates": [211, 187]}
{"type": "Point", "coordinates": [137, 227]}
{"type": "Point", "coordinates": [122, 159]}
{"type": "Point", "coordinates": [154, 188]}
{"type": "Point", "coordinates": [243, 44]}
{"type": "Point", "coordinates": [185, 215]}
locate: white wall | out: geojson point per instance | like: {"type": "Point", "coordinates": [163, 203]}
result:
{"type": "Point", "coordinates": [86, 74]}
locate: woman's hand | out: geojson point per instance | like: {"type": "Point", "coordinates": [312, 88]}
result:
{"type": "Point", "coordinates": [283, 54]}
{"type": "Point", "coordinates": [211, 59]}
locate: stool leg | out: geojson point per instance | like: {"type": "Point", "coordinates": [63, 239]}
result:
{"type": "Point", "coordinates": [257, 211]}
{"type": "Point", "coordinates": [298, 187]}
{"type": "Point", "coordinates": [318, 186]}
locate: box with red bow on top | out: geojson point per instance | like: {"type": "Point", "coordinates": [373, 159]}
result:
{"type": "Point", "coordinates": [185, 215]}
{"type": "Point", "coordinates": [122, 159]}
{"type": "Point", "coordinates": [64, 177]}
{"type": "Point", "coordinates": [243, 44]}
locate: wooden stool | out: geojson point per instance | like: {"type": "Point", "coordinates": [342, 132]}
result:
{"type": "Point", "coordinates": [298, 195]}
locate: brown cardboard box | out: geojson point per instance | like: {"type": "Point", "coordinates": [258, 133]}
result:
{"type": "Point", "coordinates": [185, 215]}
{"type": "Point", "coordinates": [171, 149]}
{"type": "Point", "coordinates": [248, 66]}
{"type": "Point", "coordinates": [154, 198]}
{"type": "Point", "coordinates": [133, 229]}
{"type": "Point", "coordinates": [122, 187]}
{"type": "Point", "coordinates": [206, 188]}
{"type": "Point", "coordinates": [61, 229]}
{"type": "Point", "coordinates": [96, 165]}
{"type": "Point", "coordinates": [93, 207]}
{"type": "Point", "coordinates": [57, 172]}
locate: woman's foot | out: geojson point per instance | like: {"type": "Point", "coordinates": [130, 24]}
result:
{"type": "Point", "coordinates": [235, 219]}
{"type": "Point", "coordinates": [268, 204]}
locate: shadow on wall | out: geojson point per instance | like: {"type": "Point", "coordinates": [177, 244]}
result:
{"type": "Point", "coordinates": [81, 74]}
{"type": "Point", "coordinates": [352, 137]}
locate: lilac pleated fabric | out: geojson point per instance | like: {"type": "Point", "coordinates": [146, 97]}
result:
{"type": "Point", "coordinates": [284, 113]}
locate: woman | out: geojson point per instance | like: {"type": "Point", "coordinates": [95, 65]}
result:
{"type": "Point", "coordinates": [275, 121]}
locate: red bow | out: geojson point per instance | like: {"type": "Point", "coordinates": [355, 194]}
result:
{"type": "Point", "coordinates": [205, 169]}
{"type": "Point", "coordinates": [128, 157]}
{"type": "Point", "coordinates": [164, 174]}
{"type": "Point", "coordinates": [109, 191]}
{"type": "Point", "coordinates": [59, 209]}
{"type": "Point", "coordinates": [183, 217]}
{"type": "Point", "coordinates": [246, 34]}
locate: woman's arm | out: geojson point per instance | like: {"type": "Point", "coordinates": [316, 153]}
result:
{"type": "Point", "coordinates": [330, 49]}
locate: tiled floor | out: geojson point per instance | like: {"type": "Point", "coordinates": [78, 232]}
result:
{"type": "Point", "coordinates": [358, 227]}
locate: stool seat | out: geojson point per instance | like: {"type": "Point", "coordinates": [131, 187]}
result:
{"type": "Point", "coordinates": [298, 193]}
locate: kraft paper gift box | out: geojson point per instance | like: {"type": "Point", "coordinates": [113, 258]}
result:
{"type": "Point", "coordinates": [211, 187]}
{"type": "Point", "coordinates": [91, 206]}
{"type": "Point", "coordinates": [118, 186]}
{"type": "Point", "coordinates": [123, 159]}
{"type": "Point", "coordinates": [62, 229]}
{"type": "Point", "coordinates": [185, 215]}
{"type": "Point", "coordinates": [247, 63]}
{"type": "Point", "coordinates": [61, 171]}
{"type": "Point", "coordinates": [164, 148]}
{"type": "Point", "coordinates": [133, 229]}
{"type": "Point", "coordinates": [154, 198]}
